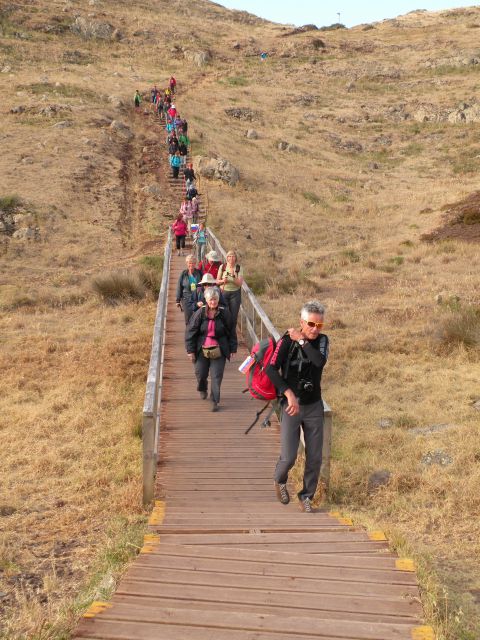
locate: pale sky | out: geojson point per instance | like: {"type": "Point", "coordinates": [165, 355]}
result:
{"type": "Point", "coordinates": [352, 12]}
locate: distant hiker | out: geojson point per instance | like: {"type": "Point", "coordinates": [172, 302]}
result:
{"type": "Point", "coordinates": [172, 84]}
{"type": "Point", "coordinates": [184, 138]}
{"type": "Point", "coordinates": [209, 343]}
{"type": "Point", "coordinates": [230, 279]}
{"type": "Point", "coordinates": [186, 211]}
{"type": "Point", "coordinates": [153, 94]}
{"type": "Point", "coordinates": [176, 163]}
{"type": "Point", "coordinates": [195, 209]}
{"type": "Point", "coordinates": [179, 228]}
{"type": "Point", "coordinates": [191, 191]}
{"type": "Point", "coordinates": [186, 285]}
{"type": "Point", "coordinates": [182, 149]}
{"type": "Point", "coordinates": [189, 173]}
{"type": "Point", "coordinates": [210, 264]}
{"type": "Point", "coordinates": [137, 99]}
{"type": "Point", "coordinates": [200, 242]}
{"type": "Point", "coordinates": [172, 145]}
{"type": "Point", "coordinates": [296, 371]}
{"type": "Point", "coordinates": [159, 106]}
{"type": "Point", "coordinates": [197, 299]}
{"type": "Point", "coordinates": [172, 112]}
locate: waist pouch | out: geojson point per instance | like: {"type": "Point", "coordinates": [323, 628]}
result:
{"type": "Point", "coordinates": [212, 353]}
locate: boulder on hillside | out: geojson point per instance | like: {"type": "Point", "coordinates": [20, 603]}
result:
{"type": "Point", "coordinates": [92, 29]}
{"type": "Point", "coordinates": [217, 169]}
{"type": "Point", "coordinates": [242, 113]}
{"type": "Point", "coordinates": [121, 130]}
{"type": "Point", "coordinates": [116, 101]}
{"type": "Point", "coordinates": [200, 58]}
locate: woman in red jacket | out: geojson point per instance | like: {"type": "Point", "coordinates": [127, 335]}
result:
{"type": "Point", "coordinates": [180, 229]}
{"type": "Point", "coordinates": [210, 264]}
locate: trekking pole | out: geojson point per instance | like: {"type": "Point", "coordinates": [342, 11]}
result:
{"type": "Point", "coordinates": [259, 413]}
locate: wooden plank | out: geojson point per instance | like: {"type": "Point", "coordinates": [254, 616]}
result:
{"type": "Point", "coordinates": [352, 607]}
{"type": "Point", "coordinates": [167, 621]}
{"type": "Point", "coordinates": [282, 557]}
{"type": "Point", "coordinates": [332, 579]}
{"type": "Point", "coordinates": [213, 575]}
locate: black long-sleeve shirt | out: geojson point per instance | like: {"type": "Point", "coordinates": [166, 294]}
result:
{"type": "Point", "coordinates": [304, 371]}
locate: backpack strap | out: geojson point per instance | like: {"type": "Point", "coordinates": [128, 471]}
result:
{"type": "Point", "coordinates": [291, 349]}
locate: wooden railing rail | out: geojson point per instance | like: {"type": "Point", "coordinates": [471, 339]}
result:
{"type": "Point", "coordinates": [254, 324]}
{"type": "Point", "coordinates": [153, 392]}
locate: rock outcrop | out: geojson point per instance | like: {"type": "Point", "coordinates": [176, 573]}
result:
{"type": "Point", "coordinates": [91, 29]}
{"type": "Point", "coordinates": [217, 169]}
{"type": "Point", "coordinates": [200, 58]}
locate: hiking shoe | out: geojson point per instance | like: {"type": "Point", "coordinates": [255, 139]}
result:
{"type": "Point", "coordinates": [203, 395]}
{"type": "Point", "coordinates": [306, 505]}
{"type": "Point", "coordinates": [214, 406]}
{"type": "Point", "coordinates": [282, 492]}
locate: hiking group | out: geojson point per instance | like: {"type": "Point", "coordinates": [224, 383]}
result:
{"type": "Point", "coordinates": [208, 292]}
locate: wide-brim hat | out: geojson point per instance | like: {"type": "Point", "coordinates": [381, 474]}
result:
{"type": "Point", "coordinates": [213, 256]}
{"type": "Point", "coordinates": [207, 279]}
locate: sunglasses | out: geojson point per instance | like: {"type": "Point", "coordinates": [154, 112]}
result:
{"type": "Point", "coordinates": [312, 324]}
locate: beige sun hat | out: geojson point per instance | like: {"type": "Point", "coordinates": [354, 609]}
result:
{"type": "Point", "coordinates": [207, 279]}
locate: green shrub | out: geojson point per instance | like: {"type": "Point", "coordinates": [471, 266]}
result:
{"type": "Point", "coordinates": [311, 197]}
{"type": "Point", "coordinates": [351, 255]}
{"type": "Point", "coordinates": [257, 282]}
{"type": "Point", "coordinates": [460, 328]}
{"type": "Point", "coordinates": [237, 81]}
{"type": "Point", "coordinates": [118, 286]}
{"type": "Point", "coordinates": [10, 203]}
{"type": "Point", "coordinates": [151, 273]}
{"type": "Point", "coordinates": [405, 422]}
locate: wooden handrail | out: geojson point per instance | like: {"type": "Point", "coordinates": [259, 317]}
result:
{"type": "Point", "coordinates": [255, 325]}
{"type": "Point", "coordinates": [153, 392]}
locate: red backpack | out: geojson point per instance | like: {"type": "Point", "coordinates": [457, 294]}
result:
{"type": "Point", "coordinates": [259, 384]}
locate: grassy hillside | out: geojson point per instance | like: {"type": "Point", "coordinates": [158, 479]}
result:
{"type": "Point", "coordinates": [357, 190]}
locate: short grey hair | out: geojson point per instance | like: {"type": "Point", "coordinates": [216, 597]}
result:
{"type": "Point", "coordinates": [312, 306]}
{"type": "Point", "coordinates": [190, 258]}
{"type": "Point", "coordinates": [212, 292]}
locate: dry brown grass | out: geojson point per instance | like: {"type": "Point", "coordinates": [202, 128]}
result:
{"type": "Point", "coordinates": [342, 224]}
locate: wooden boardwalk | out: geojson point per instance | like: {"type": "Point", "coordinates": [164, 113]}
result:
{"type": "Point", "coordinates": [225, 560]}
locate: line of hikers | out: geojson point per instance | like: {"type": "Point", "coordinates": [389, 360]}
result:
{"type": "Point", "coordinates": [290, 371]}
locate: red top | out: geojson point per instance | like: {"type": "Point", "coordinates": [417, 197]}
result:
{"type": "Point", "coordinates": [180, 228]}
{"type": "Point", "coordinates": [209, 267]}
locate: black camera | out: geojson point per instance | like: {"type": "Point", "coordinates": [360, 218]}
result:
{"type": "Point", "coordinates": [305, 385]}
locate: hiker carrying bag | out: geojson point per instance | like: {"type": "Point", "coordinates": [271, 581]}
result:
{"type": "Point", "coordinates": [258, 383]}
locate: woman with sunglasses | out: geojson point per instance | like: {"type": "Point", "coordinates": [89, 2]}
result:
{"type": "Point", "coordinates": [296, 371]}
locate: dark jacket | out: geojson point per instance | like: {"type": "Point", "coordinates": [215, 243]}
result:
{"type": "Point", "coordinates": [305, 365]}
{"type": "Point", "coordinates": [189, 173]}
{"type": "Point", "coordinates": [197, 329]}
{"type": "Point", "coordinates": [184, 290]}
{"type": "Point", "coordinates": [199, 296]}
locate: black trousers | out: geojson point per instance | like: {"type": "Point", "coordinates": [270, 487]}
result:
{"type": "Point", "coordinates": [310, 419]}
{"type": "Point", "coordinates": [180, 242]}
{"type": "Point", "coordinates": [204, 366]}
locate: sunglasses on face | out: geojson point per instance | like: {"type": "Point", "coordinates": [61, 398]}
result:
{"type": "Point", "coordinates": [312, 324]}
